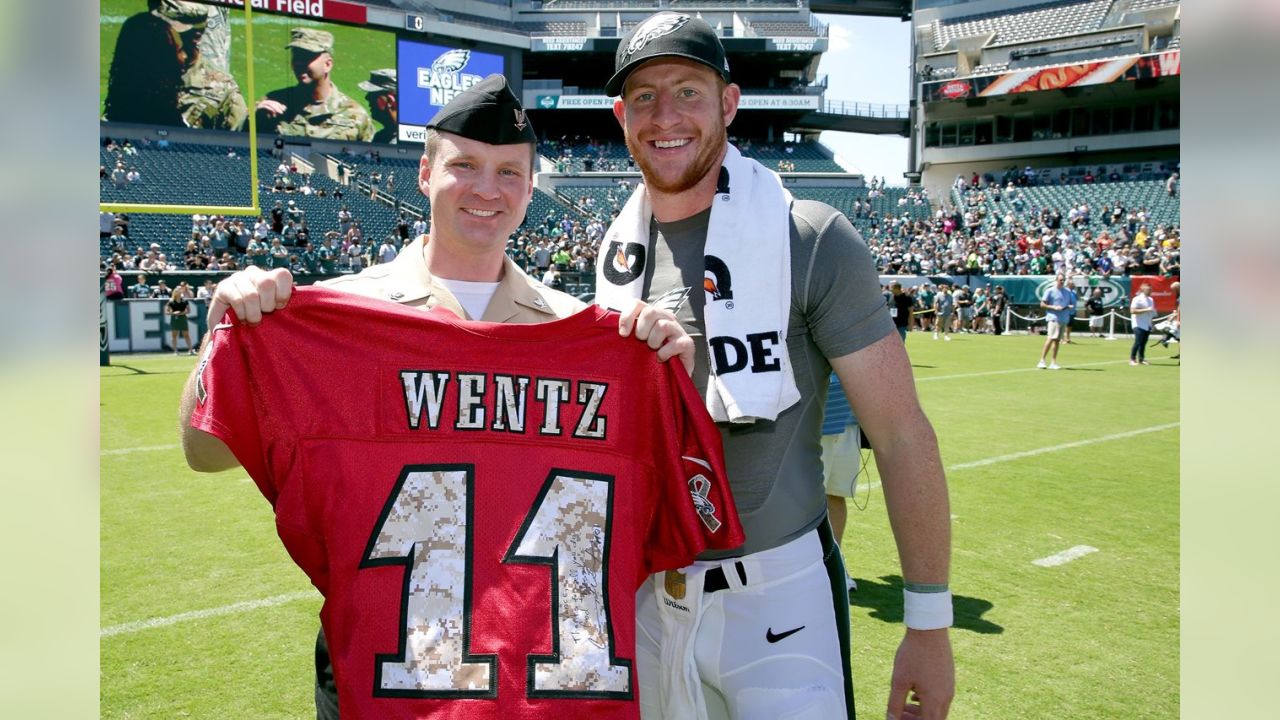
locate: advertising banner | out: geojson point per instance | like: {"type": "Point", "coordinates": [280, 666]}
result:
{"type": "Point", "coordinates": [1029, 289]}
{"type": "Point", "coordinates": [432, 75]}
{"type": "Point", "coordinates": [559, 43]}
{"type": "Point", "coordinates": [141, 325]}
{"type": "Point", "coordinates": [1135, 67]}
{"type": "Point", "coordinates": [798, 44]}
{"type": "Point", "coordinates": [321, 9]}
{"type": "Point", "coordinates": [154, 72]}
{"type": "Point", "coordinates": [1161, 292]}
{"type": "Point", "coordinates": [573, 102]}
{"type": "Point", "coordinates": [747, 102]}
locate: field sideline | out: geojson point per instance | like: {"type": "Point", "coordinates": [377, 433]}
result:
{"type": "Point", "coordinates": [203, 615]}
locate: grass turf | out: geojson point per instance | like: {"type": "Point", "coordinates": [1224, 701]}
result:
{"type": "Point", "coordinates": [1094, 638]}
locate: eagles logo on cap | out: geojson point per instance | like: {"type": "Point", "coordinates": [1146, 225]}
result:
{"type": "Point", "coordinates": [667, 34]}
{"type": "Point", "coordinates": [656, 26]}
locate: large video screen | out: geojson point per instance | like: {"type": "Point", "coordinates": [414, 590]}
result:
{"type": "Point", "coordinates": [170, 71]}
{"type": "Point", "coordinates": [431, 75]}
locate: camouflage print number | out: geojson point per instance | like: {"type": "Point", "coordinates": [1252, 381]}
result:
{"type": "Point", "coordinates": [427, 526]}
{"type": "Point", "coordinates": [568, 530]}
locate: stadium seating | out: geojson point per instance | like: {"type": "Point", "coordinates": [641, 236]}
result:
{"type": "Point", "coordinates": [1137, 5]}
{"type": "Point", "coordinates": [806, 156]}
{"type": "Point", "coordinates": [783, 29]}
{"type": "Point", "coordinates": [575, 28]}
{"type": "Point", "coordinates": [1150, 194]}
{"type": "Point", "coordinates": [179, 175]}
{"type": "Point", "coordinates": [1039, 21]}
{"type": "Point", "coordinates": [883, 206]}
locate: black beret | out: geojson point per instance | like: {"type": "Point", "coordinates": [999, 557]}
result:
{"type": "Point", "coordinates": [487, 111]}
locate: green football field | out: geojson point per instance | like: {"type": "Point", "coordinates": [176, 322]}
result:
{"type": "Point", "coordinates": [203, 615]}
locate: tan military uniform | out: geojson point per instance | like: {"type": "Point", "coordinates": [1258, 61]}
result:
{"type": "Point", "coordinates": [519, 298]}
{"type": "Point", "coordinates": [210, 98]}
{"type": "Point", "coordinates": [338, 117]}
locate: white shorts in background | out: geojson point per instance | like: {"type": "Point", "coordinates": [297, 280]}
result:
{"type": "Point", "coordinates": [841, 461]}
{"type": "Point", "coordinates": [1053, 330]}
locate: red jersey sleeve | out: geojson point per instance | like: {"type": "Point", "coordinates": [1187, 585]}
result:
{"type": "Point", "coordinates": [695, 507]}
{"type": "Point", "coordinates": [225, 406]}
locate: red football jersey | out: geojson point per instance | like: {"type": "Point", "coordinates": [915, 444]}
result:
{"type": "Point", "coordinates": [476, 502]}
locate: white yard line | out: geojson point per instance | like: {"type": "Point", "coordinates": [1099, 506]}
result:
{"type": "Point", "coordinates": [1031, 368]}
{"type": "Point", "coordinates": [1063, 446]}
{"type": "Point", "coordinates": [148, 448]}
{"type": "Point", "coordinates": [232, 609]}
{"type": "Point", "coordinates": [1065, 556]}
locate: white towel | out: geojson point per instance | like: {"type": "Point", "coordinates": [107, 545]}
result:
{"type": "Point", "coordinates": [747, 281]}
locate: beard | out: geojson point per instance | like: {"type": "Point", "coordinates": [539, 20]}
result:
{"type": "Point", "coordinates": [704, 162]}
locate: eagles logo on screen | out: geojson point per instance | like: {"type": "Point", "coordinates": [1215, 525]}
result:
{"type": "Point", "coordinates": [445, 78]}
{"type": "Point", "coordinates": [654, 28]}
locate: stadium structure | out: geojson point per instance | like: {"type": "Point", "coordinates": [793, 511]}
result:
{"type": "Point", "coordinates": [1062, 91]}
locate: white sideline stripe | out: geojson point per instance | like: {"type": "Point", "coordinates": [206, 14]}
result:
{"type": "Point", "coordinates": [1015, 370]}
{"type": "Point", "coordinates": [1064, 446]}
{"type": "Point", "coordinates": [1065, 556]}
{"type": "Point", "coordinates": [149, 448]}
{"type": "Point", "coordinates": [234, 608]}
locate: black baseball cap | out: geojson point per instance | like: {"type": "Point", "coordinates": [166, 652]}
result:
{"type": "Point", "coordinates": [487, 111]}
{"type": "Point", "coordinates": [667, 34]}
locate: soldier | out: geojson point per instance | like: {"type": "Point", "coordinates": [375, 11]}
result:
{"type": "Point", "coordinates": [380, 95]}
{"type": "Point", "coordinates": [215, 44]}
{"type": "Point", "coordinates": [315, 107]}
{"type": "Point", "coordinates": [159, 75]}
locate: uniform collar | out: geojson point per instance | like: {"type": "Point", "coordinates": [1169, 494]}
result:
{"type": "Point", "coordinates": [409, 282]}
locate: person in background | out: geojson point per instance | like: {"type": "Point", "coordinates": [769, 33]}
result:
{"type": "Point", "coordinates": [113, 284]}
{"type": "Point", "coordinates": [1057, 303]}
{"type": "Point", "coordinates": [380, 96]}
{"type": "Point", "coordinates": [943, 307]}
{"type": "Point", "coordinates": [314, 107]}
{"type": "Point", "coordinates": [998, 304]}
{"type": "Point", "coordinates": [1097, 313]}
{"type": "Point", "coordinates": [140, 289]}
{"type": "Point", "coordinates": [176, 311]}
{"type": "Point", "coordinates": [1143, 310]}
{"type": "Point", "coordinates": [901, 305]}
{"type": "Point", "coordinates": [841, 462]}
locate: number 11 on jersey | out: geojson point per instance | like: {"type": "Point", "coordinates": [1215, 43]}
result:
{"type": "Point", "coordinates": [427, 524]}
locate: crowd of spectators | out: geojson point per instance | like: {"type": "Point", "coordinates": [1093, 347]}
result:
{"type": "Point", "coordinates": [1018, 239]}
{"type": "Point", "coordinates": [560, 250]}
{"type": "Point", "coordinates": [572, 156]}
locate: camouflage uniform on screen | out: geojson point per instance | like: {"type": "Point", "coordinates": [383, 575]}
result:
{"type": "Point", "coordinates": [215, 44]}
{"type": "Point", "coordinates": [210, 98]}
{"type": "Point", "coordinates": [337, 117]}
{"type": "Point", "coordinates": [382, 82]}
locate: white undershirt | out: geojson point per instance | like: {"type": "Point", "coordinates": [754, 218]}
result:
{"type": "Point", "coordinates": [474, 297]}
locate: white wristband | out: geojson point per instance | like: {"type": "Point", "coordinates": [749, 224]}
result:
{"type": "Point", "coordinates": [926, 611]}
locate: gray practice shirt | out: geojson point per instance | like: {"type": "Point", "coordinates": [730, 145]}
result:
{"type": "Point", "coordinates": [775, 468]}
